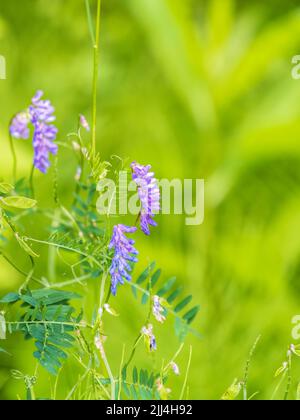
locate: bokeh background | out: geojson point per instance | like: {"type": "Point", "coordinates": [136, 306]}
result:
{"type": "Point", "coordinates": [201, 89]}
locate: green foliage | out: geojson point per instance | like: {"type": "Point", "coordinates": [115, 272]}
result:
{"type": "Point", "coordinates": [5, 188]}
{"type": "Point", "coordinates": [171, 292]}
{"type": "Point", "coordinates": [15, 202]}
{"type": "Point", "coordinates": [46, 317]}
{"type": "Point", "coordinates": [221, 106]}
{"type": "Point", "coordinates": [140, 385]}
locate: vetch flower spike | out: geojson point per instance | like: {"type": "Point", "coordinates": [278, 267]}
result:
{"type": "Point", "coordinates": [40, 115]}
{"type": "Point", "coordinates": [41, 112]}
{"type": "Point", "coordinates": [125, 252]}
{"type": "Point", "coordinates": [158, 310]}
{"type": "Point", "coordinates": [149, 195]}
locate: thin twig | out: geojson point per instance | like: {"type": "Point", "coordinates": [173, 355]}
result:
{"type": "Point", "coordinates": [186, 374]}
{"type": "Point", "coordinates": [246, 375]}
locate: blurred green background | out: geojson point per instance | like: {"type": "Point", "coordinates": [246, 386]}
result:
{"type": "Point", "coordinates": [200, 89]}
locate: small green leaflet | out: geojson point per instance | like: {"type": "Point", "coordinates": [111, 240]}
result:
{"type": "Point", "coordinates": [10, 298]}
{"type": "Point", "coordinates": [5, 188]}
{"type": "Point", "coordinates": [16, 202]}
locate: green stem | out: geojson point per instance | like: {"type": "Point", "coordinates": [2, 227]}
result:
{"type": "Point", "coordinates": [31, 185]}
{"type": "Point", "coordinates": [102, 292]}
{"type": "Point", "coordinates": [95, 77]}
{"type": "Point", "coordinates": [278, 386]}
{"type": "Point", "coordinates": [14, 156]}
{"type": "Point", "coordinates": [90, 21]}
{"type": "Point", "coordinates": [139, 337]}
{"type": "Point", "coordinates": [186, 374]}
{"type": "Point", "coordinates": [289, 379]}
{"type": "Point", "coordinates": [66, 324]}
{"type": "Point", "coordinates": [19, 270]}
{"type": "Point", "coordinates": [28, 277]}
{"type": "Point", "coordinates": [246, 375]}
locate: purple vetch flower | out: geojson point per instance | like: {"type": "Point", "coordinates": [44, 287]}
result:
{"type": "Point", "coordinates": [150, 337]}
{"type": "Point", "coordinates": [175, 368]}
{"type": "Point", "coordinates": [149, 195]}
{"type": "Point", "coordinates": [124, 252]}
{"type": "Point", "coordinates": [43, 138]}
{"type": "Point", "coordinates": [84, 123]}
{"type": "Point", "coordinates": [158, 310]}
{"type": "Point", "coordinates": [41, 113]}
{"type": "Point", "coordinates": [19, 127]}
{"type": "Point", "coordinates": [41, 109]}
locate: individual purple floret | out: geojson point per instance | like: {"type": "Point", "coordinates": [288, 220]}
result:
{"type": "Point", "coordinates": [84, 123]}
{"type": "Point", "coordinates": [19, 127]}
{"type": "Point", "coordinates": [124, 252]}
{"type": "Point", "coordinates": [158, 309]}
{"type": "Point", "coordinates": [175, 368]}
{"type": "Point", "coordinates": [41, 109]}
{"type": "Point", "coordinates": [41, 113]}
{"type": "Point", "coordinates": [150, 337]}
{"type": "Point", "coordinates": [149, 195]}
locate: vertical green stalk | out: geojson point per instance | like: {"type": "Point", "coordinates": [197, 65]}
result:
{"type": "Point", "coordinates": [186, 374]}
{"type": "Point", "coordinates": [246, 375]}
{"type": "Point", "coordinates": [95, 77]}
{"type": "Point", "coordinates": [90, 21]}
{"type": "Point", "coordinates": [289, 376]}
{"type": "Point", "coordinates": [31, 185]}
{"type": "Point", "coordinates": [14, 156]}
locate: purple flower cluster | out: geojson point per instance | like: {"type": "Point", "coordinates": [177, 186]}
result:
{"type": "Point", "coordinates": [124, 253]}
{"type": "Point", "coordinates": [40, 114]}
{"type": "Point", "coordinates": [158, 309]}
{"type": "Point", "coordinates": [19, 128]}
{"type": "Point", "coordinates": [149, 195]}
